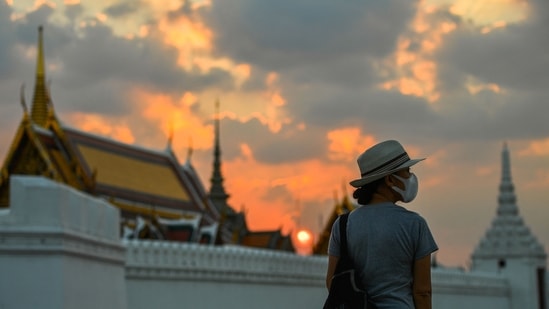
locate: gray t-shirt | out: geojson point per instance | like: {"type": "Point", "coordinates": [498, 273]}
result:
{"type": "Point", "coordinates": [384, 240]}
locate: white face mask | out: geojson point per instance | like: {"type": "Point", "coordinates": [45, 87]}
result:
{"type": "Point", "coordinates": [410, 188]}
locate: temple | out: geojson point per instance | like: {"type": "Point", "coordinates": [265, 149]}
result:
{"type": "Point", "coordinates": [509, 247]}
{"type": "Point", "coordinates": [158, 197]}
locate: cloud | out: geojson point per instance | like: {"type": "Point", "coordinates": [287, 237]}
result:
{"type": "Point", "coordinates": [282, 35]}
{"type": "Point", "coordinates": [284, 146]}
{"type": "Point", "coordinates": [304, 88]}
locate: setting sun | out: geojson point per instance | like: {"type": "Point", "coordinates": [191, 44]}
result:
{"type": "Point", "coordinates": [304, 236]}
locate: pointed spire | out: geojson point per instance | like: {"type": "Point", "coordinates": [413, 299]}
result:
{"type": "Point", "coordinates": [508, 236]}
{"type": "Point", "coordinates": [507, 199]}
{"type": "Point", "coordinates": [217, 191]}
{"type": "Point", "coordinates": [190, 150]}
{"type": "Point", "coordinates": [23, 101]}
{"type": "Point", "coordinates": [41, 99]}
{"type": "Point", "coordinates": [170, 137]}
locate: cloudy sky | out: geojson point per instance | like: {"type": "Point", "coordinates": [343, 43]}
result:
{"type": "Point", "coordinates": [305, 86]}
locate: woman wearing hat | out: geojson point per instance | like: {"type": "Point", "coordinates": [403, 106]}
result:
{"type": "Point", "coordinates": [390, 246]}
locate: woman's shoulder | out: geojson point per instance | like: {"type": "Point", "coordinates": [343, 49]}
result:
{"type": "Point", "coordinates": [408, 213]}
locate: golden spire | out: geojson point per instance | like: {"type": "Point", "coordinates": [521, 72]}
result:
{"type": "Point", "coordinates": [23, 101]}
{"type": "Point", "coordinates": [41, 99]}
{"type": "Point", "coordinates": [190, 150]}
{"type": "Point", "coordinates": [170, 136]}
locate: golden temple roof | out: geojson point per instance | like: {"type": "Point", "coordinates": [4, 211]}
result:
{"type": "Point", "coordinates": [125, 172]}
{"type": "Point", "coordinates": [132, 173]}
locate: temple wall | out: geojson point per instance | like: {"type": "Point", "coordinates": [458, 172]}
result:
{"type": "Point", "coordinates": [165, 275]}
{"type": "Point", "coordinates": [61, 249]}
{"type": "Point", "coordinates": [458, 289]}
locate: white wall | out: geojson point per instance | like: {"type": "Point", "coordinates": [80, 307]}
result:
{"type": "Point", "coordinates": [60, 249]}
{"type": "Point", "coordinates": [457, 289]}
{"type": "Point", "coordinates": [167, 274]}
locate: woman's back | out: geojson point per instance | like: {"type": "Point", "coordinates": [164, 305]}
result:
{"type": "Point", "coordinates": [390, 246]}
{"type": "Point", "coordinates": [384, 240]}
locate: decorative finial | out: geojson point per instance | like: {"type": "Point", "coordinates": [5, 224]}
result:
{"type": "Point", "coordinates": [41, 98]}
{"type": "Point", "coordinates": [190, 150]}
{"type": "Point", "coordinates": [23, 102]}
{"type": "Point", "coordinates": [507, 198]}
{"type": "Point", "coordinates": [170, 136]}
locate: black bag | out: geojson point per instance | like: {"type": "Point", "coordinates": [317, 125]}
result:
{"type": "Point", "coordinates": [345, 291]}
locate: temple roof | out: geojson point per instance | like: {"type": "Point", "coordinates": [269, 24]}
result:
{"type": "Point", "coordinates": [118, 166]}
{"type": "Point", "coordinates": [268, 240]}
{"type": "Point", "coordinates": [508, 235]}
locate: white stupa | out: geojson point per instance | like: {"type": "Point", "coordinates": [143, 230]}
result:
{"type": "Point", "coordinates": [509, 248]}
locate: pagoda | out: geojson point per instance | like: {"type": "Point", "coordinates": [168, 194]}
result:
{"type": "Point", "coordinates": [510, 248]}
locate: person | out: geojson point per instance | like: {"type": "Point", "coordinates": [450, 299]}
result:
{"type": "Point", "coordinates": [389, 245]}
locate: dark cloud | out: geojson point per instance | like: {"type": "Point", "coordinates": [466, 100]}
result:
{"type": "Point", "coordinates": [110, 57]}
{"type": "Point", "coordinates": [123, 8]}
{"type": "Point", "coordinates": [271, 148]}
{"type": "Point", "coordinates": [73, 11]}
{"type": "Point", "coordinates": [41, 15]}
{"type": "Point", "coordinates": [514, 57]}
{"type": "Point", "coordinates": [96, 67]}
{"type": "Point", "coordinates": [279, 35]}
{"type": "Point", "coordinates": [8, 40]}
{"type": "Point", "coordinates": [280, 193]}
{"type": "Point", "coordinates": [375, 111]}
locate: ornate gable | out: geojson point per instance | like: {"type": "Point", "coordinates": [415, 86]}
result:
{"type": "Point", "coordinates": [36, 151]}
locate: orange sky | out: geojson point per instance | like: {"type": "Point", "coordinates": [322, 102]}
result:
{"type": "Point", "coordinates": [282, 194]}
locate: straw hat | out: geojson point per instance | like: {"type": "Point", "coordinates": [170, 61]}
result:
{"type": "Point", "coordinates": [381, 160]}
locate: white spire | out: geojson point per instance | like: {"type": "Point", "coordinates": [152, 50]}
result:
{"type": "Point", "coordinates": [508, 236]}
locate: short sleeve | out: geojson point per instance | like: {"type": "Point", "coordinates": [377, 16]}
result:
{"type": "Point", "coordinates": [333, 245]}
{"type": "Point", "coordinates": [425, 242]}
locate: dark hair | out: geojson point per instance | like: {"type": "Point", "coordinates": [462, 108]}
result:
{"type": "Point", "coordinates": [364, 194]}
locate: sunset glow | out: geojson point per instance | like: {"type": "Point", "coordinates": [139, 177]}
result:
{"type": "Point", "coordinates": [301, 97]}
{"type": "Point", "coordinates": [304, 236]}
{"type": "Point", "coordinates": [304, 242]}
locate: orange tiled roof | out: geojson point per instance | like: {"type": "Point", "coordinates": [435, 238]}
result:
{"type": "Point", "coordinates": [268, 240]}
{"type": "Point", "coordinates": [133, 173]}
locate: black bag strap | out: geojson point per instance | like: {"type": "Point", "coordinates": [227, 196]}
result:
{"type": "Point", "coordinates": [344, 254]}
{"type": "Point", "coordinates": [344, 262]}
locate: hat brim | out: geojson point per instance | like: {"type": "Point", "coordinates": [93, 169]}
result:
{"type": "Point", "coordinates": [357, 183]}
